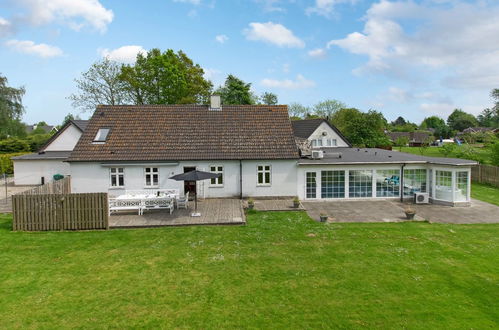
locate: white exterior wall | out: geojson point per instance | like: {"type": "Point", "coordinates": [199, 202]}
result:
{"type": "Point", "coordinates": [30, 172]}
{"type": "Point", "coordinates": [330, 134]}
{"type": "Point", "coordinates": [66, 141]}
{"type": "Point", "coordinates": [95, 177]}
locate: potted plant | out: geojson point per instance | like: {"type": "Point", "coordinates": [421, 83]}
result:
{"type": "Point", "coordinates": [410, 213]}
{"type": "Point", "coordinates": [251, 203]}
{"type": "Point", "coordinates": [323, 217]}
{"type": "Point", "coordinates": [296, 202]}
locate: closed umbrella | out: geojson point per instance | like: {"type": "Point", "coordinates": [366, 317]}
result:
{"type": "Point", "coordinates": [195, 176]}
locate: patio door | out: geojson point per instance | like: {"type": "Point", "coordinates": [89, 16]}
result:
{"type": "Point", "coordinates": [190, 186]}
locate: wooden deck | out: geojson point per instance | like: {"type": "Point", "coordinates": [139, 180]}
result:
{"type": "Point", "coordinates": [213, 212]}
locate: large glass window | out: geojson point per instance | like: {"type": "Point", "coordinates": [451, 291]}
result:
{"type": "Point", "coordinates": [462, 186]}
{"type": "Point", "coordinates": [360, 184]}
{"type": "Point", "coordinates": [387, 183]}
{"type": "Point", "coordinates": [263, 175]}
{"type": "Point", "coordinates": [332, 184]}
{"type": "Point", "coordinates": [151, 176]}
{"type": "Point", "coordinates": [311, 185]}
{"type": "Point", "coordinates": [117, 175]}
{"type": "Point", "coordinates": [443, 185]}
{"type": "Point", "coordinates": [414, 181]}
{"type": "Point", "coordinates": [217, 182]}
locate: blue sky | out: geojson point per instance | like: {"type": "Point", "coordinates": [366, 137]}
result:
{"type": "Point", "coordinates": [408, 58]}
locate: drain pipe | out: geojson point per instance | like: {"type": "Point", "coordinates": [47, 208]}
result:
{"type": "Point", "coordinates": [402, 183]}
{"type": "Point", "coordinates": [240, 179]}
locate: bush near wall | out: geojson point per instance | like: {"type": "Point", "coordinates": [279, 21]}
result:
{"type": "Point", "coordinates": [6, 164]}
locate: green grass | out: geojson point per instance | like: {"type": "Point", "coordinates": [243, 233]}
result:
{"type": "Point", "coordinates": [282, 270]}
{"type": "Point", "coordinates": [486, 193]}
{"type": "Point", "coordinates": [483, 153]}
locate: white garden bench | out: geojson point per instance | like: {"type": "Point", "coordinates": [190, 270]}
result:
{"type": "Point", "coordinates": [129, 204]}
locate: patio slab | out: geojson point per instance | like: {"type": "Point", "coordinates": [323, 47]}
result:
{"type": "Point", "coordinates": [213, 212]}
{"type": "Point", "coordinates": [393, 211]}
{"type": "Point", "coordinates": [275, 205]}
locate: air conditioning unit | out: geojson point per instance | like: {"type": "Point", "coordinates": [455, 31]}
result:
{"type": "Point", "coordinates": [317, 154]}
{"type": "Point", "coordinates": [421, 198]}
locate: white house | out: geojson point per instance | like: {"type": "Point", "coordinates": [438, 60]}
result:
{"type": "Point", "coordinates": [38, 168]}
{"type": "Point", "coordinates": [255, 150]}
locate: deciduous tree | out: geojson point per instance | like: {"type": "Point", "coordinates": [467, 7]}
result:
{"type": "Point", "coordinates": [269, 98]}
{"type": "Point", "coordinates": [11, 108]}
{"type": "Point", "coordinates": [236, 91]}
{"type": "Point", "coordinates": [100, 84]}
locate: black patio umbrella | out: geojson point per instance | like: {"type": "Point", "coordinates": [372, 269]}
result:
{"type": "Point", "coordinates": [195, 176]}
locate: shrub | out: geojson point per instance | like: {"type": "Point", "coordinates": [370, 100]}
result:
{"type": "Point", "coordinates": [13, 145]}
{"type": "Point", "coordinates": [494, 154]}
{"type": "Point", "coordinates": [6, 164]}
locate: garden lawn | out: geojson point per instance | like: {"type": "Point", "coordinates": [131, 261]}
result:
{"type": "Point", "coordinates": [434, 152]}
{"type": "Point", "coordinates": [486, 193]}
{"type": "Point", "coordinates": [282, 270]}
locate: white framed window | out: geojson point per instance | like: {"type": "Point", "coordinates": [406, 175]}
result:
{"type": "Point", "coordinates": [217, 182]}
{"type": "Point", "coordinates": [151, 177]}
{"type": "Point", "coordinates": [117, 176]}
{"type": "Point", "coordinates": [316, 143]}
{"type": "Point", "coordinates": [331, 143]}
{"type": "Point", "coordinates": [264, 175]}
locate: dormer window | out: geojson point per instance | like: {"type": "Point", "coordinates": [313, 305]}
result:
{"type": "Point", "coordinates": [101, 135]}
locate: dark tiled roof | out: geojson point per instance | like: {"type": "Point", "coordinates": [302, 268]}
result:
{"type": "Point", "coordinates": [418, 137]}
{"type": "Point", "coordinates": [379, 156]}
{"type": "Point", "coordinates": [44, 155]}
{"type": "Point", "coordinates": [81, 124]}
{"type": "Point", "coordinates": [188, 132]}
{"type": "Point", "coordinates": [46, 128]}
{"type": "Point", "coordinates": [304, 128]}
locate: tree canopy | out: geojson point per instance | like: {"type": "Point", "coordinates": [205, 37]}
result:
{"type": "Point", "coordinates": [327, 108]}
{"type": "Point", "coordinates": [155, 78]}
{"type": "Point", "coordinates": [269, 98]}
{"type": "Point", "coordinates": [11, 108]}
{"type": "Point", "coordinates": [100, 84]}
{"type": "Point", "coordinates": [165, 78]}
{"type": "Point", "coordinates": [459, 120]}
{"type": "Point", "coordinates": [236, 91]}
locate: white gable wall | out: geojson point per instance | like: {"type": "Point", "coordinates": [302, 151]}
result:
{"type": "Point", "coordinates": [66, 141]}
{"type": "Point", "coordinates": [330, 134]}
{"type": "Point", "coordinates": [30, 172]}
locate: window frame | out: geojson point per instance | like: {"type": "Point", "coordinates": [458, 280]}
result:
{"type": "Point", "coordinates": [217, 170]}
{"type": "Point", "coordinates": [151, 173]}
{"type": "Point", "coordinates": [101, 141]}
{"type": "Point", "coordinates": [117, 175]}
{"type": "Point", "coordinates": [264, 171]}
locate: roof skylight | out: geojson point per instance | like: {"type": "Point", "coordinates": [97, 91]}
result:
{"type": "Point", "coordinates": [101, 135]}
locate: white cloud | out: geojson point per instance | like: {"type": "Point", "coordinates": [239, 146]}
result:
{"type": "Point", "coordinates": [124, 54]}
{"type": "Point", "coordinates": [326, 7]}
{"type": "Point", "coordinates": [443, 109]}
{"type": "Point", "coordinates": [271, 5]}
{"type": "Point", "coordinates": [5, 27]}
{"type": "Point", "coordinates": [192, 2]}
{"type": "Point", "coordinates": [75, 13]}
{"type": "Point", "coordinates": [317, 53]}
{"type": "Point", "coordinates": [299, 83]}
{"type": "Point", "coordinates": [30, 48]}
{"type": "Point", "coordinates": [438, 42]}
{"type": "Point", "coordinates": [273, 33]}
{"type": "Point", "coordinates": [221, 38]}
{"type": "Point", "coordinates": [210, 74]}
{"type": "Point", "coordinates": [286, 68]}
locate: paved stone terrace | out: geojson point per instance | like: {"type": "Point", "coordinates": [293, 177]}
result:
{"type": "Point", "coordinates": [6, 200]}
{"type": "Point", "coordinates": [393, 211]}
{"type": "Point", "coordinates": [213, 212]}
{"type": "Point", "coordinates": [275, 205]}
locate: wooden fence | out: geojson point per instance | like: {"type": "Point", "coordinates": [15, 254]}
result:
{"type": "Point", "coordinates": [60, 212]}
{"type": "Point", "coordinates": [485, 174]}
{"type": "Point", "coordinates": [62, 186]}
